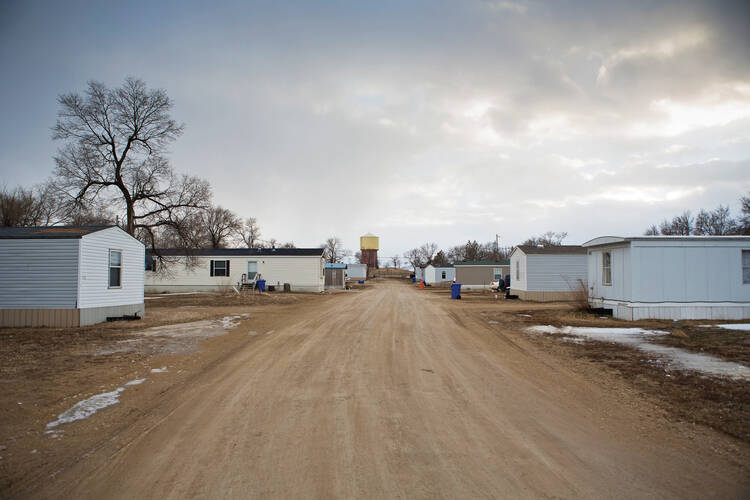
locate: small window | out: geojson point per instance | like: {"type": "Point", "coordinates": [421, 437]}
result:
{"type": "Point", "coordinates": [746, 267]}
{"type": "Point", "coordinates": [606, 268]}
{"type": "Point", "coordinates": [220, 268]}
{"type": "Point", "coordinates": [518, 270]}
{"type": "Point", "coordinates": [115, 268]}
{"type": "Point", "coordinates": [443, 275]}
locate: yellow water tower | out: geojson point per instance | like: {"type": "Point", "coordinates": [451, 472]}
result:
{"type": "Point", "coordinates": [368, 246]}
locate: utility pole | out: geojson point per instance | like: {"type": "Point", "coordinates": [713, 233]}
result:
{"type": "Point", "coordinates": [497, 242]}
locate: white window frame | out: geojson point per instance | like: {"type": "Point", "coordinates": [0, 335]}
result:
{"type": "Point", "coordinates": [745, 256]}
{"type": "Point", "coordinates": [110, 267]}
{"type": "Point", "coordinates": [607, 268]}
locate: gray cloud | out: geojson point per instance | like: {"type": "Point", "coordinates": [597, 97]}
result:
{"type": "Point", "coordinates": [419, 121]}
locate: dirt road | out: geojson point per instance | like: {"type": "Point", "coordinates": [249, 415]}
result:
{"type": "Point", "coordinates": [393, 393]}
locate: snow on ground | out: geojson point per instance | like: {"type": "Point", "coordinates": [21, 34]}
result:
{"type": "Point", "coordinates": [638, 339]}
{"type": "Point", "coordinates": [87, 407]}
{"type": "Point", "coordinates": [741, 327]}
{"type": "Point", "coordinates": [159, 370]}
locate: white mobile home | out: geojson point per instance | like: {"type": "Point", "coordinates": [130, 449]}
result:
{"type": "Point", "coordinates": [219, 269]}
{"type": "Point", "coordinates": [545, 274]}
{"type": "Point", "coordinates": [356, 271]}
{"type": "Point", "coordinates": [64, 276]}
{"type": "Point", "coordinates": [442, 274]}
{"type": "Point", "coordinates": [670, 277]}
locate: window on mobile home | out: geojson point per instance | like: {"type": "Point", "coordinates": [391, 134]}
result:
{"type": "Point", "coordinates": [606, 268]}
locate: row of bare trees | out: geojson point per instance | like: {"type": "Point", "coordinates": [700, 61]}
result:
{"type": "Point", "coordinates": [472, 250]}
{"type": "Point", "coordinates": [112, 167]}
{"type": "Point", "coordinates": [718, 222]}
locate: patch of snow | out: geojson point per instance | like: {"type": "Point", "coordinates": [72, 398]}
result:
{"type": "Point", "coordinates": [269, 332]}
{"type": "Point", "coordinates": [525, 315]}
{"type": "Point", "coordinates": [87, 407]}
{"type": "Point", "coordinates": [638, 339]}
{"type": "Point", "coordinates": [740, 327]}
{"type": "Point", "coordinates": [228, 322]}
{"type": "Point", "coordinates": [163, 369]}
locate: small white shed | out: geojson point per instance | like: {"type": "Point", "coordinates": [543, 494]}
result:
{"type": "Point", "coordinates": [545, 274]}
{"type": "Point", "coordinates": [63, 276]}
{"type": "Point", "coordinates": [442, 274]}
{"type": "Point", "coordinates": [670, 277]}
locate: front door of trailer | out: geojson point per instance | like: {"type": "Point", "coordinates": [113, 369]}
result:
{"type": "Point", "coordinates": [252, 270]}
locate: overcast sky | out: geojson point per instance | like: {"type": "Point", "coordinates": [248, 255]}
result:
{"type": "Point", "coordinates": [417, 121]}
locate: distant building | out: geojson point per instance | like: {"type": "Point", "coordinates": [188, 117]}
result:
{"type": "Point", "coordinates": [545, 274]}
{"type": "Point", "coordinates": [670, 277]}
{"type": "Point", "coordinates": [443, 274]}
{"type": "Point", "coordinates": [66, 276]}
{"type": "Point", "coordinates": [479, 274]}
{"type": "Point", "coordinates": [356, 271]}
{"type": "Point", "coordinates": [368, 247]}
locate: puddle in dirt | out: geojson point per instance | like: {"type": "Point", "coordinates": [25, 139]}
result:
{"type": "Point", "coordinates": [638, 339]}
{"type": "Point", "coordinates": [173, 339]}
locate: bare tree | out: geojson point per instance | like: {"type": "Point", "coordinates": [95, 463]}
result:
{"type": "Point", "coordinates": [250, 232]}
{"type": "Point", "coordinates": [743, 222]}
{"type": "Point", "coordinates": [396, 261]}
{"type": "Point", "coordinates": [219, 225]}
{"type": "Point", "coordinates": [115, 141]}
{"type": "Point", "coordinates": [456, 253]}
{"type": "Point", "coordinates": [414, 258]}
{"type": "Point", "coordinates": [333, 250]}
{"type": "Point", "coordinates": [548, 239]}
{"type": "Point", "coordinates": [20, 207]}
{"type": "Point", "coordinates": [427, 252]}
{"type": "Point", "coordinates": [683, 224]}
{"type": "Point", "coordinates": [716, 222]}
{"type": "Point", "coordinates": [440, 259]}
{"type": "Point", "coordinates": [288, 244]}
{"type": "Point", "coordinates": [652, 231]}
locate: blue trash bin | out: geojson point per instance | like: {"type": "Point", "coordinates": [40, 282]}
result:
{"type": "Point", "coordinates": [261, 285]}
{"type": "Point", "coordinates": [455, 291]}
{"type": "Point", "coordinates": [413, 279]}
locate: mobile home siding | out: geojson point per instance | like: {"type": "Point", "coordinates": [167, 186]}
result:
{"type": "Point", "coordinates": [555, 272]}
{"type": "Point", "coordinates": [93, 274]}
{"type": "Point", "coordinates": [38, 275]}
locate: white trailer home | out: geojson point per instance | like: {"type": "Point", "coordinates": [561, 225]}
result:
{"type": "Point", "coordinates": [356, 271]}
{"type": "Point", "coordinates": [544, 274]}
{"type": "Point", "coordinates": [434, 275]}
{"type": "Point", "coordinates": [670, 277]}
{"type": "Point", "coordinates": [219, 269]}
{"type": "Point", "coordinates": [65, 276]}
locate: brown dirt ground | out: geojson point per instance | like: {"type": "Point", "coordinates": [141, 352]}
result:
{"type": "Point", "coordinates": [379, 392]}
{"type": "Point", "coordinates": [719, 403]}
{"type": "Point", "coordinates": [44, 371]}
